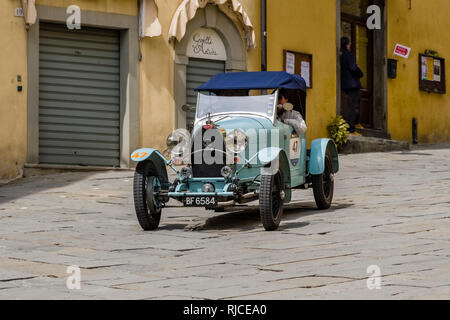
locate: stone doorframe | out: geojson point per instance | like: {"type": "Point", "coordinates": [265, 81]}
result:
{"type": "Point", "coordinates": [209, 17]}
{"type": "Point", "coordinates": [129, 76]}
{"type": "Point", "coordinates": [380, 110]}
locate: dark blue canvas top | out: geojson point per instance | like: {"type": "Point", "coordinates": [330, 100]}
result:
{"type": "Point", "coordinates": [253, 81]}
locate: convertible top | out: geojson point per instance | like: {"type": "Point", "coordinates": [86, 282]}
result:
{"type": "Point", "coordinates": [254, 81]}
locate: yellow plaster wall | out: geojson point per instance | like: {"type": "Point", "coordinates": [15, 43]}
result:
{"type": "Point", "coordinates": [423, 27]}
{"type": "Point", "coordinates": [157, 107]}
{"type": "Point", "coordinates": [308, 27]}
{"type": "Point", "coordinates": [156, 76]}
{"type": "Point", "coordinates": [13, 62]}
{"type": "Point", "coordinates": [128, 7]}
{"type": "Point", "coordinates": [13, 115]}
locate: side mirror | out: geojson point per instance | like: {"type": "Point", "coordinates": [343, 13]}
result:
{"type": "Point", "coordinates": [173, 140]}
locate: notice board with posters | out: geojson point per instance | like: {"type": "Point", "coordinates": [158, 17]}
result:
{"type": "Point", "coordinates": [432, 74]}
{"type": "Point", "coordinates": [299, 63]}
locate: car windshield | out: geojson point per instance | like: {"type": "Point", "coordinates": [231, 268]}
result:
{"type": "Point", "coordinates": [261, 105]}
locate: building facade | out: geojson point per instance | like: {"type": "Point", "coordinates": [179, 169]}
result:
{"type": "Point", "coordinates": [93, 95]}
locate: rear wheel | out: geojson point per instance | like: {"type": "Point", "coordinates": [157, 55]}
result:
{"type": "Point", "coordinates": [147, 204]}
{"type": "Point", "coordinates": [271, 199]}
{"type": "Point", "coordinates": [323, 185]}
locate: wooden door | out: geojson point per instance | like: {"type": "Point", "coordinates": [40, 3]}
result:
{"type": "Point", "coordinates": [362, 46]}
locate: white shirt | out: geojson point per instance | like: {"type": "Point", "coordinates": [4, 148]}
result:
{"type": "Point", "coordinates": [294, 119]}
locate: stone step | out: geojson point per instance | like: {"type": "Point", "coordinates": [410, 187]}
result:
{"type": "Point", "coordinates": [370, 144]}
{"type": "Point", "coordinates": [366, 132]}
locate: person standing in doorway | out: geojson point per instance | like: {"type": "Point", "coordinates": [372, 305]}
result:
{"type": "Point", "coordinates": [351, 85]}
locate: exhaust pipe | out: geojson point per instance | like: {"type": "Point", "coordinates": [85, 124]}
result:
{"type": "Point", "coordinates": [249, 197]}
{"type": "Point", "coordinates": [227, 204]}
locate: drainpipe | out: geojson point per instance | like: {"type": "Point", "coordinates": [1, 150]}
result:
{"type": "Point", "coordinates": [263, 35]}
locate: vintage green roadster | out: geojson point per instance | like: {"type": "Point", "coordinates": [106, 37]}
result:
{"type": "Point", "coordinates": [238, 152]}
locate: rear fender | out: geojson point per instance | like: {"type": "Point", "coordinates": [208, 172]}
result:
{"type": "Point", "coordinates": [319, 148]}
{"type": "Point", "coordinates": [157, 162]}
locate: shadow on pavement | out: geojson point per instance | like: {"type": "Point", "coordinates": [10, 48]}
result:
{"type": "Point", "coordinates": [248, 218]}
{"type": "Point", "coordinates": [39, 183]}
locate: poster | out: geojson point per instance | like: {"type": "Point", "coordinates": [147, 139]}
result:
{"type": "Point", "coordinates": [424, 68]}
{"type": "Point", "coordinates": [430, 69]}
{"type": "Point", "coordinates": [427, 68]}
{"type": "Point", "coordinates": [437, 71]}
{"type": "Point", "coordinates": [290, 62]}
{"type": "Point", "coordinates": [305, 73]}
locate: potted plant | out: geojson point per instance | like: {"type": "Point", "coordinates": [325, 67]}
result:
{"type": "Point", "coordinates": [338, 132]}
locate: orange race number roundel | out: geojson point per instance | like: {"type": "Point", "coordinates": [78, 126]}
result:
{"type": "Point", "coordinates": [139, 155]}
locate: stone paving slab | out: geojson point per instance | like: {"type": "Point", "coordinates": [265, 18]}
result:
{"type": "Point", "coordinates": [391, 210]}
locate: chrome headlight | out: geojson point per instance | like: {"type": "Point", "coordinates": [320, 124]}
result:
{"type": "Point", "coordinates": [186, 173]}
{"type": "Point", "coordinates": [179, 143]}
{"type": "Point", "coordinates": [226, 172]}
{"type": "Point", "coordinates": [236, 141]}
{"type": "Point", "coordinates": [208, 188]}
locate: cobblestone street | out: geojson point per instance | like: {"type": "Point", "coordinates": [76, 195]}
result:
{"type": "Point", "coordinates": [391, 210]}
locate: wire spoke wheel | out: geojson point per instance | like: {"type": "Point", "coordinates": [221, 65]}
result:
{"type": "Point", "coordinates": [271, 200]}
{"type": "Point", "coordinates": [323, 184]}
{"type": "Point", "coordinates": [147, 202]}
{"type": "Point", "coordinates": [152, 188]}
{"type": "Point", "coordinates": [276, 197]}
{"type": "Point", "coordinates": [327, 178]}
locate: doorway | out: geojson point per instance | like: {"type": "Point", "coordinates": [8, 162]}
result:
{"type": "Point", "coordinates": [79, 96]}
{"type": "Point", "coordinates": [212, 44]}
{"type": "Point", "coordinates": [199, 71]}
{"type": "Point", "coordinates": [353, 26]}
{"type": "Point", "coordinates": [370, 49]}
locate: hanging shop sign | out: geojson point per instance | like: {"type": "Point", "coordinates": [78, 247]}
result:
{"type": "Point", "coordinates": [432, 74]}
{"type": "Point", "coordinates": [206, 44]}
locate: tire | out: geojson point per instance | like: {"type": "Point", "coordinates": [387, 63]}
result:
{"type": "Point", "coordinates": [148, 207]}
{"type": "Point", "coordinates": [271, 201]}
{"type": "Point", "coordinates": [323, 184]}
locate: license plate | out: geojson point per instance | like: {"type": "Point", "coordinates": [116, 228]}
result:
{"type": "Point", "coordinates": [200, 201]}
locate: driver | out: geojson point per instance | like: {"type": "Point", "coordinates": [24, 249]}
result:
{"type": "Point", "coordinates": [288, 115]}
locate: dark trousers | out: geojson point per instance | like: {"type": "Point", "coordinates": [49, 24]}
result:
{"type": "Point", "coordinates": [353, 113]}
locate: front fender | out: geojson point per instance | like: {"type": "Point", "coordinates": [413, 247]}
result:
{"type": "Point", "coordinates": [157, 160]}
{"type": "Point", "coordinates": [319, 148]}
{"type": "Point", "coordinates": [270, 156]}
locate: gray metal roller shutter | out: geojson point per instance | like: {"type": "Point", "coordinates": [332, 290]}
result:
{"type": "Point", "coordinates": [199, 71]}
{"type": "Point", "coordinates": [79, 96]}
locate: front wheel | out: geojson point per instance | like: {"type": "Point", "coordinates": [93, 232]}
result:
{"type": "Point", "coordinates": [147, 204]}
{"type": "Point", "coordinates": [271, 197]}
{"type": "Point", "coordinates": [323, 185]}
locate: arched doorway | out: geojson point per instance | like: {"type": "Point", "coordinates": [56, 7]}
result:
{"type": "Point", "coordinates": [212, 44]}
